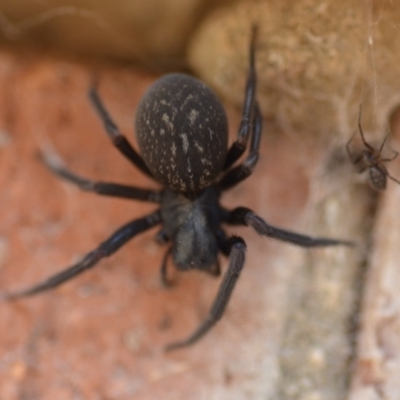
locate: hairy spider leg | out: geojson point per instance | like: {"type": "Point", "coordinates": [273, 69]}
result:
{"type": "Point", "coordinates": [240, 144]}
{"type": "Point", "coordinates": [54, 163]}
{"type": "Point", "coordinates": [237, 249]}
{"type": "Point", "coordinates": [105, 249]}
{"type": "Point", "coordinates": [117, 138]}
{"type": "Point", "coordinates": [245, 216]}
{"type": "Point", "coordinates": [244, 170]}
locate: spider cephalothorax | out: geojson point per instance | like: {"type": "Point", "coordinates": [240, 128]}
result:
{"type": "Point", "coordinates": [182, 133]}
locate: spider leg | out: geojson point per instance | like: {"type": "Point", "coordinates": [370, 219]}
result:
{"type": "Point", "coordinates": [383, 143]}
{"type": "Point", "coordinates": [367, 145]}
{"type": "Point", "coordinates": [362, 167]}
{"type": "Point", "coordinates": [393, 179]}
{"type": "Point", "coordinates": [348, 148]}
{"type": "Point", "coordinates": [240, 144]}
{"type": "Point", "coordinates": [119, 140]}
{"type": "Point", "coordinates": [244, 216]}
{"type": "Point", "coordinates": [54, 163]}
{"type": "Point", "coordinates": [390, 159]}
{"type": "Point", "coordinates": [395, 153]}
{"type": "Point", "coordinates": [237, 256]}
{"type": "Point", "coordinates": [243, 171]}
{"type": "Point", "coordinates": [105, 249]}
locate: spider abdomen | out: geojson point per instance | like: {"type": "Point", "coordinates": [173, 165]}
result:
{"type": "Point", "coordinates": [182, 132]}
{"type": "Point", "coordinates": [377, 175]}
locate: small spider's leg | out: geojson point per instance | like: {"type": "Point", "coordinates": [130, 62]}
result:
{"type": "Point", "coordinates": [237, 248]}
{"type": "Point", "coordinates": [348, 148]}
{"type": "Point", "coordinates": [395, 153]}
{"type": "Point", "coordinates": [108, 247]}
{"type": "Point", "coordinates": [244, 216]}
{"type": "Point", "coordinates": [390, 159]}
{"type": "Point", "coordinates": [118, 139]}
{"type": "Point", "coordinates": [240, 144]}
{"type": "Point", "coordinates": [243, 171]}
{"type": "Point", "coordinates": [383, 143]}
{"type": "Point", "coordinates": [392, 178]}
{"type": "Point", "coordinates": [366, 144]}
{"type": "Point", "coordinates": [362, 168]}
{"type": "Point", "coordinates": [54, 163]}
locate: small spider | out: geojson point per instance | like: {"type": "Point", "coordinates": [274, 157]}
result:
{"type": "Point", "coordinates": [370, 159]}
{"type": "Point", "coordinates": [182, 133]}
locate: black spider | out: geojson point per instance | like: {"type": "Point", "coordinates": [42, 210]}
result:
{"type": "Point", "coordinates": [370, 159]}
{"type": "Point", "coordinates": [182, 132]}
